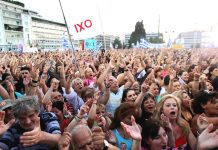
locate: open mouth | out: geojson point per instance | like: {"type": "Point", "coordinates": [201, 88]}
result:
{"type": "Point", "coordinates": [164, 147]}
{"type": "Point", "coordinates": [150, 108]}
{"type": "Point", "coordinates": [173, 113]}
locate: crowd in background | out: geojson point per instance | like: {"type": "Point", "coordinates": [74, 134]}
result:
{"type": "Point", "coordinates": [128, 99]}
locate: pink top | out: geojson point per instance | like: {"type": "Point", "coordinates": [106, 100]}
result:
{"type": "Point", "coordinates": [87, 82]}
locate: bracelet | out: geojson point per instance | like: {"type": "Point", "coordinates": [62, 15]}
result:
{"type": "Point", "coordinates": [34, 81]}
{"type": "Point", "coordinates": [77, 119]}
{"type": "Point", "coordinates": [36, 84]}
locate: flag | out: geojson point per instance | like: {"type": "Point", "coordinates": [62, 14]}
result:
{"type": "Point", "coordinates": [144, 44]}
{"type": "Point", "coordinates": [137, 45]}
{"type": "Point", "coordinates": [169, 43]}
{"type": "Point", "coordinates": [95, 51]}
{"type": "Point", "coordinates": [111, 46]}
{"type": "Point", "coordinates": [65, 42]}
{"type": "Point", "coordinates": [83, 19]}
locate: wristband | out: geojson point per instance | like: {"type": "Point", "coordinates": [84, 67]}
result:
{"type": "Point", "coordinates": [34, 81]}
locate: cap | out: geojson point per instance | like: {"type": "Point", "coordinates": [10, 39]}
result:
{"type": "Point", "coordinates": [5, 104]}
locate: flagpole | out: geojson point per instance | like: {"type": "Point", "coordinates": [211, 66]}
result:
{"type": "Point", "coordinates": [68, 32]}
{"type": "Point", "coordinates": [99, 15]}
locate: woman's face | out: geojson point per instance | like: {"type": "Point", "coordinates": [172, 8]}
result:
{"type": "Point", "coordinates": [55, 82]}
{"type": "Point", "coordinates": [159, 142]}
{"type": "Point", "coordinates": [127, 120]}
{"type": "Point", "coordinates": [209, 86]}
{"type": "Point", "coordinates": [215, 72]}
{"type": "Point", "coordinates": [131, 96]}
{"type": "Point", "coordinates": [135, 86]}
{"type": "Point", "coordinates": [149, 105]}
{"type": "Point", "coordinates": [211, 108]}
{"type": "Point", "coordinates": [186, 101]}
{"type": "Point", "coordinates": [89, 73]}
{"type": "Point", "coordinates": [170, 108]}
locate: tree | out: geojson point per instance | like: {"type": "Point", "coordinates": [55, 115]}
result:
{"type": "Point", "coordinates": [117, 43]}
{"type": "Point", "coordinates": [138, 34]}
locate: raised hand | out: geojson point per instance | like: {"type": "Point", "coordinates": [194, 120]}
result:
{"type": "Point", "coordinates": [133, 130]}
{"type": "Point", "coordinates": [10, 87]}
{"type": "Point", "coordinates": [4, 127]}
{"type": "Point", "coordinates": [145, 87]}
{"type": "Point", "coordinates": [202, 122]}
{"type": "Point", "coordinates": [166, 122]}
{"type": "Point", "coordinates": [98, 137]}
{"type": "Point", "coordinates": [32, 137]}
{"type": "Point", "coordinates": [208, 138]}
{"type": "Point", "coordinates": [64, 142]}
{"type": "Point", "coordinates": [83, 110]}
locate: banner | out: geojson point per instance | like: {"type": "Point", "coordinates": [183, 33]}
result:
{"type": "Point", "coordinates": [90, 44]}
{"type": "Point", "coordinates": [83, 19]}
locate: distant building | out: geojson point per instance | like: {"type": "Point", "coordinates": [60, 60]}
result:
{"type": "Point", "coordinates": [127, 38]}
{"type": "Point", "coordinates": [196, 39]}
{"type": "Point", "coordinates": [150, 36]}
{"type": "Point", "coordinates": [108, 39]}
{"type": "Point", "coordinates": [11, 27]}
{"type": "Point", "coordinates": [21, 26]}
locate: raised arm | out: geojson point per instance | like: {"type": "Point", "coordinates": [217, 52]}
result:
{"type": "Point", "coordinates": [3, 93]}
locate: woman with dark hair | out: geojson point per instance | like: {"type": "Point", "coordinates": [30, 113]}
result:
{"type": "Point", "coordinates": [147, 107]}
{"type": "Point", "coordinates": [213, 72]}
{"type": "Point", "coordinates": [154, 136]}
{"type": "Point", "coordinates": [207, 104]}
{"type": "Point", "coordinates": [122, 114]}
{"type": "Point", "coordinates": [129, 96]}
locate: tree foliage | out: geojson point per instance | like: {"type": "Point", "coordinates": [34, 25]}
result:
{"type": "Point", "coordinates": [117, 43]}
{"type": "Point", "coordinates": [138, 34]}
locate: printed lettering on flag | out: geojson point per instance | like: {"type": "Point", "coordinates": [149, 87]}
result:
{"type": "Point", "coordinates": [82, 19]}
{"type": "Point", "coordinates": [90, 44]}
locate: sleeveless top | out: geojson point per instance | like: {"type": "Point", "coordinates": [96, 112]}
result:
{"type": "Point", "coordinates": [121, 141]}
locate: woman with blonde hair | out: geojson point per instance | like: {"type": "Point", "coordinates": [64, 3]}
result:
{"type": "Point", "coordinates": [185, 102]}
{"type": "Point", "coordinates": [169, 107]}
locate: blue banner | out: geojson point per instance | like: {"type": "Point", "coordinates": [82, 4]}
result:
{"type": "Point", "coordinates": [90, 44]}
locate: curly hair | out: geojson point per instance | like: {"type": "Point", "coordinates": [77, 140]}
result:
{"type": "Point", "coordinates": [202, 98]}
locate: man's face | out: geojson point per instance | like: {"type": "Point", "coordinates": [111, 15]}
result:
{"type": "Point", "coordinates": [56, 96]}
{"type": "Point", "coordinates": [83, 141]}
{"type": "Point", "coordinates": [27, 121]}
{"type": "Point", "coordinates": [113, 84]}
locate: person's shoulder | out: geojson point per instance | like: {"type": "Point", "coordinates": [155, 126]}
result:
{"type": "Point", "coordinates": [47, 116]}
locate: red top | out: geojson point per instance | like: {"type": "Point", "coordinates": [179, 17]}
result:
{"type": "Point", "coordinates": [181, 141]}
{"type": "Point", "coordinates": [64, 124]}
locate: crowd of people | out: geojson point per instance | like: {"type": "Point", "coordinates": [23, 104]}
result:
{"type": "Point", "coordinates": [128, 99]}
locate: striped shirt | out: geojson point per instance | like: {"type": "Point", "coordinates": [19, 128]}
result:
{"type": "Point", "coordinates": [11, 139]}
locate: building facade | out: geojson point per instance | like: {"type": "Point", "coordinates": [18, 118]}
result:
{"type": "Point", "coordinates": [191, 39]}
{"type": "Point", "coordinates": [106, 40]}
{"type": "Point", "coordinates": [11, 28]}
{"type": "Point", "coordinates": [19, 26]}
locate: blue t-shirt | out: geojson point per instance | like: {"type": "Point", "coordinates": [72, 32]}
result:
{"type": "Point", "coordinates": [17, 94]}
{"type": "Point", "coordinates": [11, 139]}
